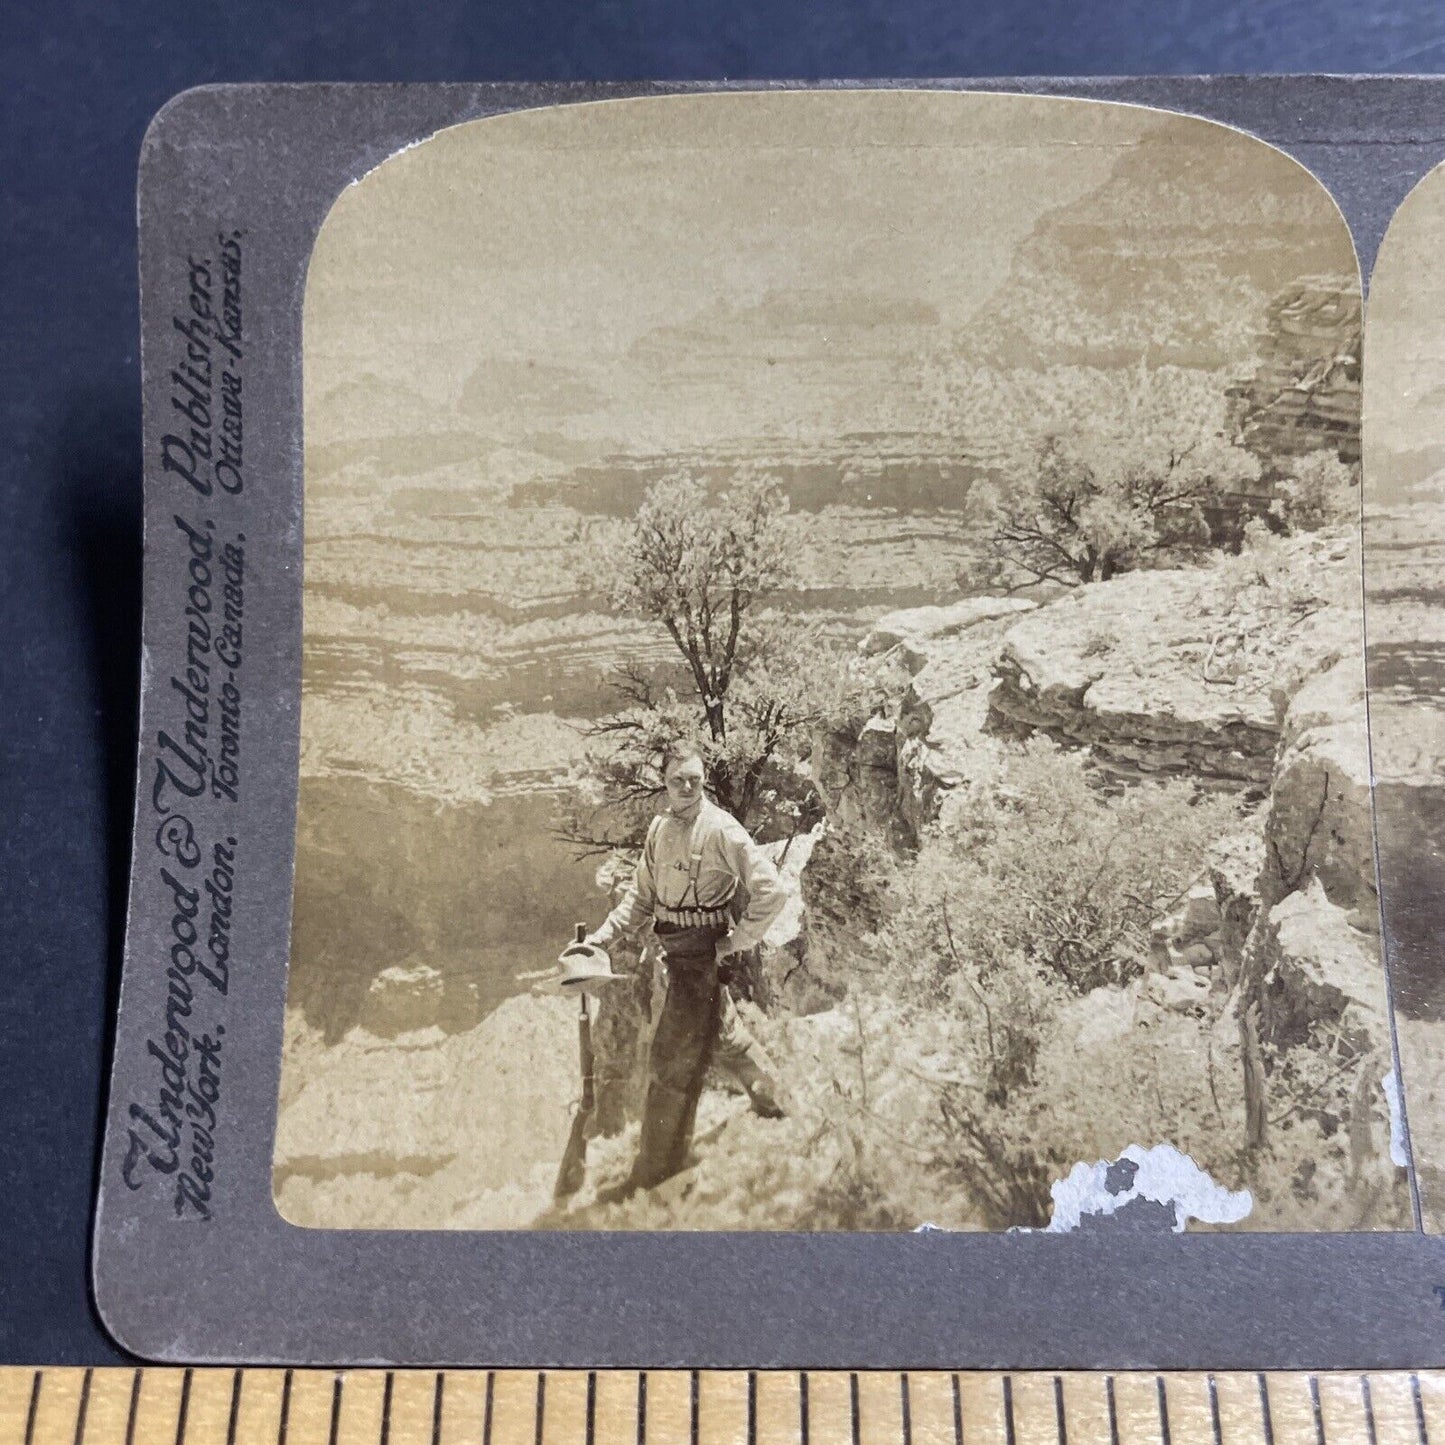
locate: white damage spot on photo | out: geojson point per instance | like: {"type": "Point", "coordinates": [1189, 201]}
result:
{"type": "Point", "coordinates": [1160, 1175]}
{"type": "Point", "coordinates": [1399, 1137]}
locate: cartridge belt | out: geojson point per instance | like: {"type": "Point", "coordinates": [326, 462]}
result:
{"type": "Point", "coordinates": [691, 917]}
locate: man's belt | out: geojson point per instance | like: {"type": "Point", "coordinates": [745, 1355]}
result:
{"type": "Point", "coordinates": [691, 917]}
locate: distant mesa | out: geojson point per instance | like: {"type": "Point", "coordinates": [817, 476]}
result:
{"type": "Point", "coordinates": [896, 471]}
{"type": "Point", "coordinates": [510, 384]}
{"type": "Point", "coordinates": [371, 405]}
{"type": "Point", "coordinates": [1147, 264]}
{"type": "Point", "coordinates": [844, 308]}
{"type": "Point", "coordinates": [799, 324]}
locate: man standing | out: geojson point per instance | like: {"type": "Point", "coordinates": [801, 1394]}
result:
{"type": "Point", "coordinates": [709, 891]}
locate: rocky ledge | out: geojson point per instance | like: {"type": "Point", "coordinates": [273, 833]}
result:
{"type": "Point", "coordinates": [894, 769]}
{"type": "Point", "coordinates": [1245, 675]}
{"type": "Point", "coordinates": [1186, 673]}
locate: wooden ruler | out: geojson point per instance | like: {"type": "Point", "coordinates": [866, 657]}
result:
{"type": "Point", "coordinates": [59, 1406]}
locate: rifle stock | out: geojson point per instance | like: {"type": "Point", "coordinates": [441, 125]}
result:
{"type": "Point", "coordinates": [574, 1157]}
{"type": "Point", "coordinates": [572, 1170]}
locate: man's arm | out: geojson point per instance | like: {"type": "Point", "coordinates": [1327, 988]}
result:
{"type": "Point", "coordinates": [767, 896]}
{"type": "Point", "coordinates": [635, 908]}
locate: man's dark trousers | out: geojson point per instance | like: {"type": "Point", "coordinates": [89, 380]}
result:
{"type": "Point", "coordinates": [682, 1049]}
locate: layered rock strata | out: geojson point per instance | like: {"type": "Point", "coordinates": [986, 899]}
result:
{"type": "Point", "coordinates": [1180, 673]}
{"type": "Point", "coordinates": [1305, 396]}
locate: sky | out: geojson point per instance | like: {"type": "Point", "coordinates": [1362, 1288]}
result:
{"type": "Point", "coordinates": [668, 272]}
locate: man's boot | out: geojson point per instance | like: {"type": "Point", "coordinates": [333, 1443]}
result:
{"type": "Point", "coordinates": [662, 1147]}
{"type": "Point", "coordinates": [761, 1089]}
{"type": "Point", "coordinates": [740, 1055]}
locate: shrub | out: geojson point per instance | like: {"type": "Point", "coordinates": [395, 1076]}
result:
{"type": "Point", "coordinates": [1320, 491]}
{"type": "Point", "coordinates": [1044, 873]}
{"type": "Point", "coordinates": [1044, 890]}
{"type": "Point", "coordinates": [1113, 478]}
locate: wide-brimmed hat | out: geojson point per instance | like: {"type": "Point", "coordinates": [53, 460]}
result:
{"type": "Point", "coordinates": [581, 968]}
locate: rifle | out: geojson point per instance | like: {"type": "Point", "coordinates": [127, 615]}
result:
{"type": "Point", "coordinates": [574, 1157]}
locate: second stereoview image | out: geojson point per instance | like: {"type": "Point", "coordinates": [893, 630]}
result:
{"type": "Point", "coordinates": [833, 685]}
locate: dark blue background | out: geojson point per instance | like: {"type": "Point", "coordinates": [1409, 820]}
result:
{"type": "Point", "coordinates": [78, 84]}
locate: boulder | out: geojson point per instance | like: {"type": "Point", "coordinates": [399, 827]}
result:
{"type": "Point", "coordinates": [894, 770]}
{"type": "Point", "coordinates": [1186, 672]}
{"type": "Point", "coordinates": [830, 760]}
{"type": "Point", "coordinates": [1180, 990]}
{"type": "Point", "coordinates": [791, 856]}
{"type": "Point", "coordinates": [925, 778]}
{"type": "Point", "coordinates": [1320, 824]}
{"type": "Point", "coordinates": [1321, 972]}
{"type": "Point", "coordinates": [783, 979]}
{"type": "Point", "coordinates": [778, 976]}
{"type": "Point", "coordinates": [1198, 916]}
{"type": "Point", "coordinates": [1122, 668]}
{"type": "Point", "coordinates": [856, 772]}
{"type": "Point", "coordinates": [945, 705]}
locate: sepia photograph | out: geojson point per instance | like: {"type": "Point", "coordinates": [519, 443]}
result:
{"type": "Point", "coordinates": [1404, 549]}
{"type": "Point", "coordinates": [833, 679]}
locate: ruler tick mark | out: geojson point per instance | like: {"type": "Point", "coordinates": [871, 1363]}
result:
{"type": "Point", "coordinates": [34, 1406]}
{"type": "Point", "coordinates": [134, 1405]}
{"type": "Point", "coordinates": [285, 1409]}
{"type": "Point", "coordinates": [185, 1408]}
{"type": "Point", "coordinates": [84, 1406]}
{"type": "Point", "coordinates": [236, 1382]}
{"type": "Point", "coordinates": [75, 1395]}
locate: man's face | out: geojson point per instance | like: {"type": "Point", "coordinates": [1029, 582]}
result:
{"type": "Point", "coordinates": [684, 783]}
